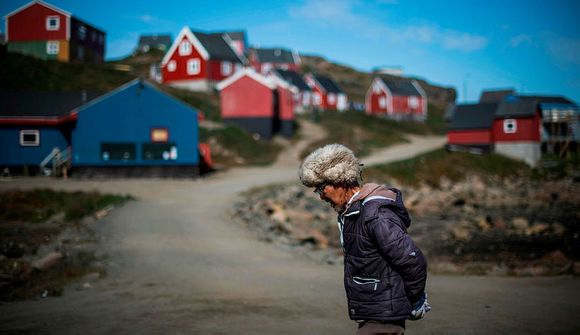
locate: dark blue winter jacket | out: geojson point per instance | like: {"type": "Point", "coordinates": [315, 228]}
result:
{"type": "Point", "coordinates": [384, 271]}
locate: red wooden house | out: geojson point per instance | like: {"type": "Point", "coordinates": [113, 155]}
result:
{"type": "Point", "coordinates": [197, 61]}
{"type": "Point", "coordinates": [263, 60]}
{"type": "Point", "coordinates": [303, 93]}
{"type": "Point", "coordinates": [396, 98]}
{"type": "Point", "coordinates": [326, 94]}
{"type": "Point", "coordinates": [259, 104]}
{"type": "Point", "coordinates": [470, 128]}
{"type": "Point", "coordinates": [44, 31]}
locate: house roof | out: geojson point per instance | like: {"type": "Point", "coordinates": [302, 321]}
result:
{"type": "Point", "coordinates": [495, 95]}
{"type": "Point", "coordinates": [217, 47]}
{"type": "Point", "coordinates": [327, 84]}
{"type": "Point", "coordinates": [293, 78]}
{"type": "Point", "coordinates": [275, 55]}
{"type": "Point", "coordinates": [517, 106]}
{"type": "Point", "coordinates": [39, 2]}
{"type": "Point", "coordinates": [400, 86]}
{"type": "Point", "coordinates": [246, 72]}
{"type": "Point", "coordinates": [234, 35]}
{"type": "Point", "coordinates": [41, 106]}
{"type": "Point", "coordinates": [473, 116]}
{"type": "Point", "coordinates": [154, 40]}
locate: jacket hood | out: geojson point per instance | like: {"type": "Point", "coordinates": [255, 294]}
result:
{"type": "Point", "coordinates": [395, 204]}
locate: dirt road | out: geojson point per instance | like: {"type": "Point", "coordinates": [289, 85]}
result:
{"type": "Point", "coordinates": [178, 265]}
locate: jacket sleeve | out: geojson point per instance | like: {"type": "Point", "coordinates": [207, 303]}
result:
{"type": "Point", "coordinates": [401, 253]}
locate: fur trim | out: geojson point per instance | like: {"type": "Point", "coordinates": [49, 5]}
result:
{"type": "Point", "coordinates": [333, 164]}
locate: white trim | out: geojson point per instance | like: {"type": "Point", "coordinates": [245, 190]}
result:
{"type": "Point", "coordinates": [29, 132]}
{"type": "Point", "coordinates": [276, 80]}
{"type": "Point", "coordinates": [316, 82]}
{"type": "Point", "coordinates": [231, 44]}
{"type": "Point", "coordinates": [423, 95]}
{"type": "Point", "coordinates": [375, 197]}
{"type": "Point", "coordinates": [185, 32]}
{"type": "Point", "coordinates": [172, 65]}
{"type": "Point", "coordinates": [49, 50]}
{"type": "Point", "coordinates": [296, 56]}
{"type": "Point", "coordinates": [514, 125]}
{"type": "Point", "coordinates": [193, 66]}
{"type": "Point", "coordinates": [48, 26]}
{"type": "Point", "coordinates": [226, 68]}
{"type": "Point", "coordinates": [246, 72]}
{"type": "Point", "coordinates": [184, 48]}
{"type": "Point", "coordinates": [42, 3]}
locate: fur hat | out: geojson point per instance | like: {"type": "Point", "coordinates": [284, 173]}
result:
{"type": "Point", "coordinates": [333, 163]}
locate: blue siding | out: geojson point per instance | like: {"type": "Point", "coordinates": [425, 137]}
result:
{"type": "Point", "coordinates": [13, 154]}
{"type": "Point", "coordinates": [127, 115]}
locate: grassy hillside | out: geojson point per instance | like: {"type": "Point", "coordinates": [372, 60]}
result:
{"type": "Point", "coordinates": [432, 167]}
{"type": "Point", "coordinates": [356, 83]}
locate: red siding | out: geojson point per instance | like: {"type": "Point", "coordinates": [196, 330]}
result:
{"type": "Point", "coordinates": [180, 72]}
{"type": "Point", "coordinates": [30, 25]}
{"type": "Point", "coordinates": [246, 98]}
{"type": "Point", "coordinates": [286, 102]}
{"type": "Point", "coordinates": [374, 103]}
{"type": "Point", "coordinates": [475, 136]}
{"type": "Point", "coordinates": [527, 129]}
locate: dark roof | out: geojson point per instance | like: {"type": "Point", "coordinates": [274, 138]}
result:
{"type": "Point", "coordinates": [327, 83]}
{"type": "Point", "coordinates": [154, 40]}
{"type": "Point", "coordinates": [294, 78]}
{"type": "Point", "coordinates": [528, 105]}
{"type": "Point", "coordinates": [495, 95]}
{"type": "Point", "coordinates": [473, 116]}
{"type": "Point", "coordinates": [45, 105]}
{"type": "Point", "coordinates": [217, 47]}
{"type": "Point", "coordinates": [276, 55]}
{"type": "Point", "coordinates": [402, 87]}
{"type": "Point", "coordinates": [234, 35]}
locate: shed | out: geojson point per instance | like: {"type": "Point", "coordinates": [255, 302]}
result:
{"type": "Point", "coordinates": [134, 130]}
{"type": "Point", "coordinates": [470, 127]}
{"type": "Point", "coordinates": [258, 104]}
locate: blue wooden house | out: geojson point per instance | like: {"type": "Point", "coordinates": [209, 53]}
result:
{"type": "Point", "coordinates": [136, 130]}
{"type": "Point", "coordinates": [35, 124]}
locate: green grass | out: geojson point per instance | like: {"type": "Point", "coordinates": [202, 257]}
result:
{"type": "Point", "coordinates": [429, 168]}
{"type": "Point", "coordinates": [237, 147]}
{"type": "Point", "coordinates": [362, 133]}
{"type": "Point", "coordinates": [41, 204]}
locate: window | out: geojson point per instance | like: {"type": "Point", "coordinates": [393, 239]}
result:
{"type": "Point", "coordinates": [266, 67]}
{"type": "Point", "coordinates": [331, 99]}
{"type": "Point", "coordinates": [93, 35]}
{"type": "Point", "coordinates": [238, 67]}
{"type": "Point", "coordinates": [159, 151]}
{"type": "Point", "coordinates": [171, 66]}
{"type": "Point", "coordinates": [29, 138]}
{"type": "Point", "coordinates": [193, 66]}
{"type": "Point", "coordinates": [510, 126]}
{"type": "Point", "coordinates": [52, 23]}
{"type": "Point", "coordinates": [159, 135]}
{"type": "Point", "coordinates": [52, 47]}
{"type": "Point", "coordinates": [81, 53]}
{"type": "Point", "coordinates": [226, 68]}
{"type": "Point", "coordinates": [413, 102]}
{"type": "Point", "coordinates": [100, 38]}
{"type": "Point", "coordinates": [82, 32]}
{"type": "Point", "coordinates": [118, 152]}
{"type": "Point", "coordinates": [382, 102]}
{"type": "Point", "coordinates": [317, 98]}
{"type": "Point", "coordinates": [185, 48]}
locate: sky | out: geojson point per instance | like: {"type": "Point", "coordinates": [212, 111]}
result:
{"type": "Point", "coordinates": [531, 46]}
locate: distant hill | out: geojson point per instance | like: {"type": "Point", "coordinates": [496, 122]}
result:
{"type": "Point", "coordinates": [356, 83]}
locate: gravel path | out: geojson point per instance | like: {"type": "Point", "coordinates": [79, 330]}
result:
{"type": "Point", "coordinates": [178, 265]}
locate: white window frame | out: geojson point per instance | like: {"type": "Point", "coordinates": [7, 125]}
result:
{"type": "Point", "coordinates": [413, 101]}
{"type": "Point", "coordinates": [35, 132]}
{"type": "Point", "coordinates": [226, 68]}
{"type": "Point", "coordinates": [317, 99]}
{"type": "Point", "coordinates": [184, 48]}
{"type": "Point", "coordinates": [193, 66]}
{"type": "Point", "coordinates": [171, 66]}
{"type": "Point", "coordinates": [510, 126]}
{"type": "Point", "coordinates": [382, 102]}
{"type": "Point", "coordinates": [52, 47]}
{"type": "Point", "coordinates": [50, 27]}
{"type": "Point", "coordinates": [331, 99]}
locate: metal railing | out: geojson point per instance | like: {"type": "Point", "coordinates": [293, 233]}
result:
{"type": "Point", "coordinates": [57, 162]}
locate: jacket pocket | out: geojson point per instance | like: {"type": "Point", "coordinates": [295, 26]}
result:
{"type": "Point", "coordinates": [366, 284]}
